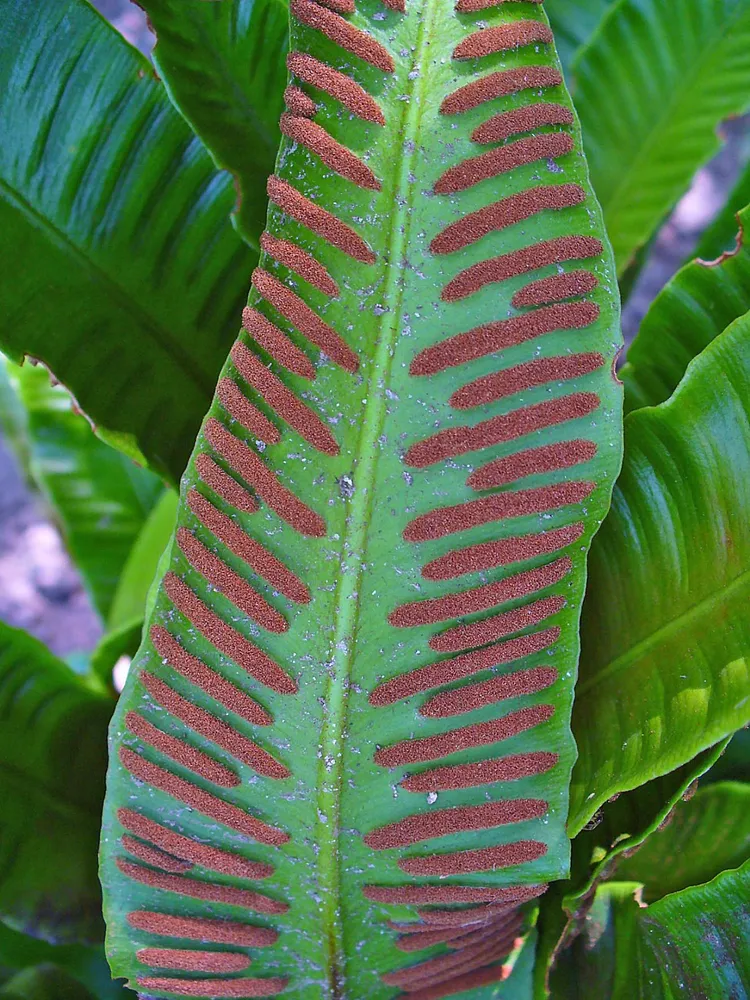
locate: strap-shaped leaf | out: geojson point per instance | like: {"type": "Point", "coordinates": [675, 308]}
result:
{"type": "Point", "coordinates": [351, 715]}
{"type": "Point", "coordinates": [574, 22]}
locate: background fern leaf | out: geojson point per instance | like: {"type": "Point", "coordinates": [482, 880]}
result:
{"type": "Point", "coordinates": [344, 752]}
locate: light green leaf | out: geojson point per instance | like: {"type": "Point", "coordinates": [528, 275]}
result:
{"type": "Point", "coordinates": [373, 496]}
{"type": "Point", "coordinates": [692, 309]}
{"type": "Point", "coordinates": [692, 944]}
{"type": "Point", "coordinates": [665, 637]}
{"type": "Point", "coordinates": [97, 496]}
{"type": "Point", "coordinates": [52, 762]}
{"type": "Point", "coordinates": [223, 65]}
{"type": "Point", "coordinates": [138, 278]}
{"type": "Point", "coordinates": [706, 835]}
{"type": "Point", "coordinates": [651, 89]}
{"type": "Point", "coordinates": [574, 22]}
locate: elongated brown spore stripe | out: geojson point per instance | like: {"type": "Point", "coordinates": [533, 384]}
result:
{"type": "Point", "coordinates": [234, 587]}
{"type": "Point", "coordinates": [535, 461]}
{"type": "Point", "coordinates": [467, 6]}
{"type": "Point", "coordinates": [482, 860]}
{"type": "Point", "coordinates": [455, 740]}
{"type": "Point", "coordinates": [224, 486]}
{"type": "Point", "coordinates": [507, 212]}
{"type": "Point", "coordinates": [245, 653]}
{"type": "Point", "coordinates": [500, 84]}
{"type": "Point", "coordinates": [190, 758]}
{"type": "Point", "coordinates": [277, 344]}
{"type": "Point", "coordinates": [504, 552]}
{"type": "Point", "coordinates": [300, 262]}
{"type": "Point", "coordinates": [305, 421]}
{"type": "Point", "coordinates": [196, 889]}
{"type": "Point", "coordinates": [294, 309]}
{"type": "Point", "coordinates": [445, 967]}
{"type": "Point", "coordinates": [493, 337]}
{"type": "Point", "coordinates": [448, 671]}
{"type": "Point", "coordinates": [214, 988]}
{"type": "Point", "coordinates": [510, 265]}
{"type": "Point", "coordinates": [555, 289]}
{"type": "Point", "coordinates": [505, 427]}
{"type": "Point", "coordinates": [484, 977]}
{"type": "Point", "coordinates": [317, 219]}
{"type": "Point", "coordinates": [420, 942]}
{"type": "Point", "coordinates": [514, 35]}
{"type": "Point", "coordinates": [248, 549]}
{"type": "Point", "coordinates": [193, 961]}
{"type": "Point", "coordinates": [484, 772]}
{"type": "Point", "coordinates": [247, 464]}
{"type": "Point", "coordinates": [335, 156]}
{"type": "Point", "coordinates": [424, 895]}
{"type": "Point", "coordinates": [205, 802]}
{"type": "Point", "coordinates": [509, 919]}
{"type": "Point", "coordinates": [359, 43]}
{"type": "Point", "coordinates": [496, 626]}
{"type": "Point", "coordinates": [298, 103]}
{"type": "Point", "coordinates": [154, 857]}
{"type": "Point", "coordinates": [191, 851]}
{"type": "Point", "coordinates": [203, 929]}
{"type": "Point", "coordinates": [448, 520]}
{"type": "Point", "coordinates": [337, 85]}
{"type": "Point", "coordinates": [214, 729]}
{"type": "Point", "coordinates": [528, 118]}
{"type": "Point", "coordinates": [194, 670]}
{"type": "Point", "coordinates": [547, 146]}
{"type": "Point", "coordinates": [445, 822]}
{"type": "Point", "coordinates": [469, 602]}
{"type": "Point", "coordinates": [475, 696]}
{"type": "Point", "coordinates": [340, 6]}
{"type": "Point", "coordinates": [526, 376]}
{"type": "Point", "coordinates": [471, 919]}
{"type": "Point", "coordinates": [242, 410]}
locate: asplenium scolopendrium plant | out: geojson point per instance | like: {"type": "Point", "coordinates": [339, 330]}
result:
{"type": "Point", "coordinates": [340, 767]}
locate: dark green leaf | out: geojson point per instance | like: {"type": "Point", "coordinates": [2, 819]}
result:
{"type": "Point", "coordinates": [697, 304]}
{"type": "Point", "coordinates": [357, 451]}
{"type": "Point", "coordinates": [53, 753]}
{"type": "Point", "coordinates": [224, 66]}
{"type": "Point", "coordinates": [734, 764]}
{"type": "Point", "coordinates": [665, 636]}
{"type": "Point", "coordinates": [706, 835]}
{"type": "Point", "coordinates": [692, 945]}
{"type": "Point", "coordinates": [651, 90]}
{"type": "Point", "coordinates": [46, 982]}
{"type": "Point", "coordinates": [129, 279]}
{"type": "Point", "coordinates": [722, 235]}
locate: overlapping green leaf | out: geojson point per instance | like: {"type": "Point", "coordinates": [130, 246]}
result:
{"type": "Point", "coordinates": [99, 497]}
{"type": "Point", "coordinates": [707, 835]}
{"type": "Point", "coordinates": [367, 486]}
{"type": "Point", "coordinates": [692, 309]}
{"type": "Point", "coordinates": [651, 90]}
{"type": "Point", "coordinates": [223, 65]}
{"type": "Point", "coordinates": [53, 756]}
{"type": "Point", "coordinates": [574, 22]}
{"type": "Point", "coordinates": [665, 661]}
{"type": "Point", "coordinates": [128, 278]}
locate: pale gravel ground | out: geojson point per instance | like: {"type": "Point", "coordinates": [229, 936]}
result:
{"type": "Point", "coordinates": [40, 589]}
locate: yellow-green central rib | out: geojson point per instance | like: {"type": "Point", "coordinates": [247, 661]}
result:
{"type": "Point", "coordinates": [354, 541]}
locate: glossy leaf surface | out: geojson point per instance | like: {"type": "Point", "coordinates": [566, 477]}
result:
{"type": "Point", "coordinates": [223, 64]}
{"type": "Point", "coordinates": [690, 311]}
{"type": "Point", "coordinates": [137, 281]}
{"type": "Point", "coordinates": [651, 90]}
{"type": "Point", "coordinates": [412, 260]}
{"type": "Point", "coordinates": [52, 763]}
{"type": "Point", "coordinates": [665, 677]}
{"type": "Point", "coordinates": [690, 944]}
{"type": "Point", "coordinates": [99, 497]}
{"type": "Point", "coordinates": [706, 835]}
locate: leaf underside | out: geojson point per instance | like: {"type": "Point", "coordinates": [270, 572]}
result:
{"type": "Point", "coordinates": [351, 713]}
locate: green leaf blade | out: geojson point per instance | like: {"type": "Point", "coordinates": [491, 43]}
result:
{"type": "Point", "coordinates": [375, 496]}
{"type": "Point", "coordinates": [138, 278]}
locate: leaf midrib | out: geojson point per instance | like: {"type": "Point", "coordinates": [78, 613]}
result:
{"type": "Point", "coordinates": [658, 130]}
{"type": "Point", "coordinates": [355, 537]}
{"type": "Point", "coordinates": [640, 649]}
{"type": "Point", "coordinates": [160, 335]}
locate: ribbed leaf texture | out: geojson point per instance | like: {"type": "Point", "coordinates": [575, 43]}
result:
{"type": "Point", "coordinates": [344, 751]}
